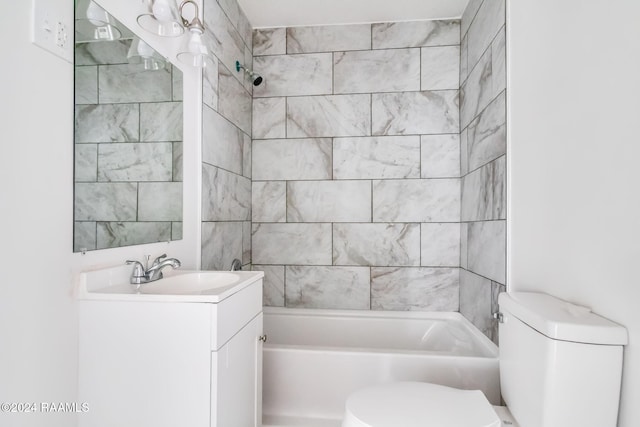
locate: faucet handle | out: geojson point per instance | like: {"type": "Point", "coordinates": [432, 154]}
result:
{"type": "Point", "coordinates": [137, 275]}
{"type": "Point", "coordinates": [158, 260]}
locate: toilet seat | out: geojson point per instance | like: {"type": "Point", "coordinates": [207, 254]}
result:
{"type": "Point", "coordinates": [414, 404]}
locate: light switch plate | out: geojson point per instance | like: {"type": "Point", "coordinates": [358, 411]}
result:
{"type": "Point", "coordinates": [51, 30]}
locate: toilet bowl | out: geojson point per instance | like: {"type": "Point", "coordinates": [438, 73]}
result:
{"type": "Point", "coordinates": [541, 338]}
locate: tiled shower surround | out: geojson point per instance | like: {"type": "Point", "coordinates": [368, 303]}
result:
{"type": "Point", "coordinates": [226, 138]}
{"type": "Point", "coordinates": [378, 172]}
{"type": "Point", "coordinates": [483, 166]}
{"type": "Point", "coordinates": [128, 150]}
{"type": "Point", "coordinates": [356, 172]}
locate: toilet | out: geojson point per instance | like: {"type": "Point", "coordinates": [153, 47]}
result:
{"type": "Point", "coordinates": [560, 366]}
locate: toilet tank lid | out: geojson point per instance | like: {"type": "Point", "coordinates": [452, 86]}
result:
{"type": "Point", "coordinates": [561, 320]}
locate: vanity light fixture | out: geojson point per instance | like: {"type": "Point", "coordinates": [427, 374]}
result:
{"type": "Point", "coordinates": [93, 23]}
{"type": "Point", "coordinates": [141, 53]}
{"type": "Point", "coordinates": [162, 18]}
{"type": "Point", "coordinates": [193, 51]}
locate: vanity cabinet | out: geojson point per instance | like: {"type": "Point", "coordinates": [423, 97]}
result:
{"type": "Point", "coordinates": [164, 363]}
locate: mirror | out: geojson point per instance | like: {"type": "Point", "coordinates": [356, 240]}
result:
{"type": "Point", "coordinates": [127, 137]}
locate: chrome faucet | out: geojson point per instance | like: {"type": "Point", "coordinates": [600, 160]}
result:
{"type": "Point", "coordinates": [140, 274]}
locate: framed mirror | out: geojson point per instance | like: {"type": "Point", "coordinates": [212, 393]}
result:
{"type": "Point", "coordinates": [128, 137]}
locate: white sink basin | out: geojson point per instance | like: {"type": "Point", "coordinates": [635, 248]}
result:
{"type": "Point", "coordinates": [189, 283]}
{"type": "Point", "coordinates": [178, 285]}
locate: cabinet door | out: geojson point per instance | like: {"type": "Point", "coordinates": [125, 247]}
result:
{"type": "Point", "coordinates": [237, 379]}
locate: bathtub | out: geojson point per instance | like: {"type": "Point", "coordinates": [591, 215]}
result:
{"type": "Point", "coordinates": [313, 359]}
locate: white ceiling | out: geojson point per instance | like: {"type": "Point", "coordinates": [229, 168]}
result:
{"type": "Point", "coordinates": [291, 13]}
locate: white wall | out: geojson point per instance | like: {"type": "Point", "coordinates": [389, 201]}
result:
{"type": "Point", "coordinates": [38, 314]}
{"type": "Point", "coordinates": [574, 150]}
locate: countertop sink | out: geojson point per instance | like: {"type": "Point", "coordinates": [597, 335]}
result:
{"type": "Point", "coordinates": [177, 285]}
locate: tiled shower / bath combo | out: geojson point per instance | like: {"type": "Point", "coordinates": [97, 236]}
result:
{"type": "Point", "coordinates": [368, 170]}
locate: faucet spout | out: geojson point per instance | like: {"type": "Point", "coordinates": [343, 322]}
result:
{"type": "Point", "coordinates": [155, 272]}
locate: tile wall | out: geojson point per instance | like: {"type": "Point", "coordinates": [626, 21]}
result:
{"type": "Point", "coordinates": [128, 150]}
{"type": "Point", "coordinates": [483, 162]}
{"type": "Point", "coordinates": [356, 189]}
{"type": "Point", "coordinates": [226, 138]}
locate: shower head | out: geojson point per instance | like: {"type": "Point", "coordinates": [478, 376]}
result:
{"type": "Point", "coordinates": [255, 78]}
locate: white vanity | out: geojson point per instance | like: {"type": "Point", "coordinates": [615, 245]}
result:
{"type": "Point", "coordinates": [183, 351]}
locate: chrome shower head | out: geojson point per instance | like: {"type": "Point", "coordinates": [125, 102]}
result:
{"type": "Point", "coordinates": [255, 78]}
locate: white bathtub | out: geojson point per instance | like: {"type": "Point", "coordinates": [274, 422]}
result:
{"type": "Point", "coordinates": [314, 359]}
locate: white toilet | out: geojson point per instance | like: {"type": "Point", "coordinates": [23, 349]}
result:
{"type": "Point", "coordinates": [560, 366]}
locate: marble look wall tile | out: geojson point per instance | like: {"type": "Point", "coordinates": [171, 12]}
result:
{"type": "Point", "coordinates": [464, 240]}
{"type": "Point", "coordinates": [272, 284]}
{"type": "Point", "coordinates": [327, 287]}
{"type": "Point", "coordinates": [440, 244]}
{"type": "Point", "coordinates": [440, 156]}
{"type": "Point", "coordinates": [468, 15]}
{"type": "Point", "coordinates": [117, 234]}
{"type": "Point", "coordinates": [86, 85]}
{"type": "Point", "coordinates": [210, 84]}
{"type": "Point", "coordinates": [246, 243]}
{"type": "Point", "coordinates": [488, 21]}
{"type": "Point", "coordinates": [464, 60]}
{"type": "Point", "coordinates": [415, 113]}
{"type": "Point", "coordinates": [269, 118]}
{"type": "Point", "coordinates": [225, 195]}
{"type": "Point", "coordinates": [269, 201]}
{"type": "Point", "coordinates": [294, 75]}
{"type": "Point", "coordinates": [86, 163]}
{"type": "Point", "coordinates": [292, 159]}
{"type": "Point", "coordinates": [477, 91]}
{"type": "Point", "coordinates": [422, 289]}
{"type": "Point", "coordinates": [245, 30]}
{"type": "Point", "coordinates": [415, 34]}
{"type": "Point", "coordinates": [329, 201]}
{"type": "Point", "coordinates": [475, 300]}
{"type": "Point", "coordinates": [390, 70]}
{"type": "Point", "coordinates": [222, 142]}
{"type": "Point", "coordinates": [105, 201]}
{"type": "Point", "coordinates": [178, 165]}
{"type": "Point", "coordinates": [161, 121]}
{"type": "Point", "coordinates": [130, 162]}
{"type": "Point", "coordinates": [292, 244]}
{"type": "Point", "coordinates": [416, 200]}
{"type": "Point", "coordinates": [160, 201]}
{"type": "Point", "coordinates": [376, 244]}
{"type": "Point", "coordinates": [132, 83]}
{"type": "Point", "coordinates": [246, 156]}
{"type": "Point", "coordinates": [440, 68]}
{"type": "Point", "coordinates": [177, 82]}
{"type": "Point", "coordinates": [221, 244]}
{"type": "Point", "coordinates": [487, 249]}
{"type": "Point", "coordinates": [496, 290]}
{"type": "Point", "coordinates": [84, 236]}
{"type": "Point", "coordinates": [498, 64]}
{"type": "Point", "coordinates": [234, 101]}
{"type": "Point", "coordinates": [376, 157]}
{"type": "Point", "coordinates": [464, 153]}
{"type": "Point", "coordinates": [237, 18]}
{"type": "Point", "coordinates": [221, 36]}
{"type": "Point", "coordinates": [269, 41]}
{"type": "Point", "coordinates": [176, 230]}
{"type": "Point", "coordinates": [107, 123]}
{"type": "Point", "coordinates": [483, 192]}
{"type": "Point", "coordinates": [487, 135]}
{"type": "Point", "coordinates": [326, 116]}
{"type": "Point", "coordinates": [102, 53]}
{"type": "Point", "coordinates": [329, 38]}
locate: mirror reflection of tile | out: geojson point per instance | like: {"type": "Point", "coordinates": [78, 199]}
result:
{"type": "Point", "coordinates": [128, 149]}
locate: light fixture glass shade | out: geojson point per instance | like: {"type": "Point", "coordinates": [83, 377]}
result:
{"type": "Point", "coordinates": [93, 23]}
{"type": "Point", "coordinates": [141, 53]}
{"type": "Point", "coordinates": [162, 19]}
{"type": "Point", "coordinates": [194, 52]}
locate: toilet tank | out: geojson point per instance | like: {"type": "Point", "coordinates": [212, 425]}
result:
{"type": "Point", "coordinates": [560, 364]}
